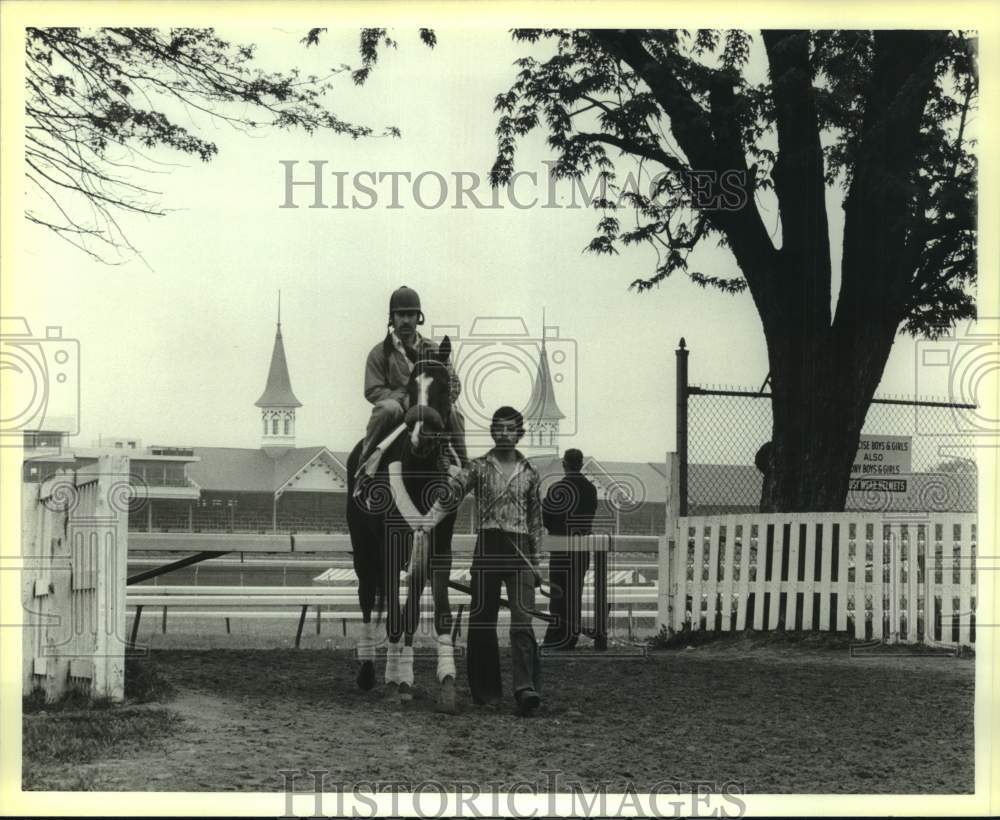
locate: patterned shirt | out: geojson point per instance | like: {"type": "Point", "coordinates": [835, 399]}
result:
{"type": "Point", "coordinates": [505, 502]}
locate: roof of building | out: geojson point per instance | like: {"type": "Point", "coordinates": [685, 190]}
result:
{"type": "Point", "coordinates": [241, 469]}
{"type": "Point", "coordinates": [542, 405]}
{"type": "Point", "coordinates": [278, 392]}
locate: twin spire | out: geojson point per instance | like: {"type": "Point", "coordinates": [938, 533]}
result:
{"type": "Point", "coordinates": [278, 392]}
{"type": "Point", "coordinates": [277, 403]}
{"type": "Point", "coordinates": [542, 415]}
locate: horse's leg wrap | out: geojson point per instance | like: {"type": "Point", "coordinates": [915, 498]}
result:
{"type": "Point", "coordinates": [392, 665]}
{"type": "Point", "coordinates": [446, 658]}
{"type": "Point", "coordinates": [366, 643]}
{"type": "Point", "coordinates": [406, 666]}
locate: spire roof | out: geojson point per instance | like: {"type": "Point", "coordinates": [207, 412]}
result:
{"type": "Point", "coordinates": [542, 405]}
{"type": "Point", "coordinates": [278, 392]}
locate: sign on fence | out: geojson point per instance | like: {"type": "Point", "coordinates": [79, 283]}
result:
{"type": "Point", "coordinates": [880, 463]}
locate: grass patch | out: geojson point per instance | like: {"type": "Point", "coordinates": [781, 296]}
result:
{"type": "Point", "coordinates": [144, 683]}
{"type": "Point", "coordinates": [779, 638]}
{"type": "Point", "coordinates": [77, 728]}
{"type": "Point", "coordinates": [73, 701]}
{"type": "Point", "coordinates": [67, 739]}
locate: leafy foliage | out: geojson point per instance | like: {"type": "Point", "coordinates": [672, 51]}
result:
{"type": "Point", "coordinates": [653, 96]}
{"type": "Point", "coordinates": [96, 100]}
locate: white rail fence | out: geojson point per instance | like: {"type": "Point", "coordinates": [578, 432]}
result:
{"type": "Point", "coordinates": [886, 578]}
{"type": "Point", "coordinates": [74, 543]}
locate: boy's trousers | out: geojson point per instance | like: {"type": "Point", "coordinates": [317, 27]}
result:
{"type": "Point", "coordinates": [494, 564]}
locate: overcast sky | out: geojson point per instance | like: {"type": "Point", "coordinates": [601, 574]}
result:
{"type": "Point", "coordinates": [175, 350]}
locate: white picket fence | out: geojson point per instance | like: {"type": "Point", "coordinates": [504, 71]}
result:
{"type": "Point", "coordinates": [882, 577]}
{"type": "Point", "coordinates": [74, 543]}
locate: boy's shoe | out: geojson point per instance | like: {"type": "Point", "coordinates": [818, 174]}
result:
{"type": "Point", "coordinates": [527, 702]}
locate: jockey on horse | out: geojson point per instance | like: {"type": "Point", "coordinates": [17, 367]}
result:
{"type": "Point", "coordinates": [413, 435]}
{"type": "Point", "coordinates": [387, 373]}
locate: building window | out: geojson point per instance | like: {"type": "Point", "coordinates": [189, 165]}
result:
{"type": "Point", "coordinates": [288, 425]}
{"type": "Point", "coordinates": [274, 426]}
{"type": "Point", "coordinates": [265, 425]}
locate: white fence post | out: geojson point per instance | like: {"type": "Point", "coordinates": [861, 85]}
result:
{"type": "Point", "coordinates": [668, 552]}
{"type": "Point", "coordinates": [75, 527]}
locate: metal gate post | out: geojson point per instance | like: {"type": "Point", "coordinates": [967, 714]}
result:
{"type": "Point", "coordinates": [601, 597]}
{"type": "Point", "coordinates": [681, 355]}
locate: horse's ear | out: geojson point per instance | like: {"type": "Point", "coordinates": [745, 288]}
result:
{"type": "Point", "coordinates": [444, 351]}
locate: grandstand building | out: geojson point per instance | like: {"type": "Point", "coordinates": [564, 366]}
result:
{"type": "Point", "coordinates": [282, 487]}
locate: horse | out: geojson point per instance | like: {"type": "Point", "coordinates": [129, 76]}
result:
{"type": "Point", "coordinates": [411, 476]}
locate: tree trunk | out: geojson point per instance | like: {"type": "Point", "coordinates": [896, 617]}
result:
{"type": "Point", "coordinates": [813, 445]}
{"type": "Point", "coordinates": [822, 386]}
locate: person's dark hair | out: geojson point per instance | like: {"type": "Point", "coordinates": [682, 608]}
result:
{"type": "Point", "coordinates": [573, 459]}
{"type": "Point", "coordinates": [506, 413]}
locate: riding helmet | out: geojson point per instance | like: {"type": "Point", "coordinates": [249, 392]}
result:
{"type": "Point", "coordinates": [404, 299]}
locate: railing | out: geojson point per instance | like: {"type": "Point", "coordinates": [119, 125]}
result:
{"type": "Point", "coordinates": [338, 544]}
{"type": "Point", "coordinates": [167, 481]}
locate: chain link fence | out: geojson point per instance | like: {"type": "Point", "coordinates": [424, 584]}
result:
{"type": "Point", "coordinates": [722, 428]}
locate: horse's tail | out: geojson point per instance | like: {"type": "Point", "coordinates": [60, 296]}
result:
{"type": "Point", "coordinates": [366, 545]}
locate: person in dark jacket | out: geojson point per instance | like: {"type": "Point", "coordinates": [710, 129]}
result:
{"type": "Point", "coordinates": [568, 509]}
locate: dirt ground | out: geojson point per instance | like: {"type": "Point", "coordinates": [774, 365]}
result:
{"type": "Point", "coordinates": [777, 719]}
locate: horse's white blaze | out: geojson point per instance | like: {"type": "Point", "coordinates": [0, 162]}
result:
{"type": "Point", "coordinates": [366, 644]}
{"type": "Point", "coordinates": [424, 382]}
{"type": "Point", "coordinates": [406, 666]}
{"type": "Point", "coordinates": [446, 658]}
{"type": "Point", "coordinates": [392, 655]}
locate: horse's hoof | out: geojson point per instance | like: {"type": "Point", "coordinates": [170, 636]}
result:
{"type": "Point", "coordinates": [446, 697]}
{"type": "Point", "coordinates": [405, 692]}
{"type": "Point", "coordinates": [366, 676]}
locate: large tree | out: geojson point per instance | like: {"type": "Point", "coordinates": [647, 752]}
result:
{"type": "Point", "coordinates": [882, 116]}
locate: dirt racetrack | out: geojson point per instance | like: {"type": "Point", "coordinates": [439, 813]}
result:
{"type": "Point", "coordinates": [777, 719]}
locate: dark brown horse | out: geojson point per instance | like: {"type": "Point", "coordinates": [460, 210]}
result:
{"type": "Point", "coordinates": [411, 475]}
